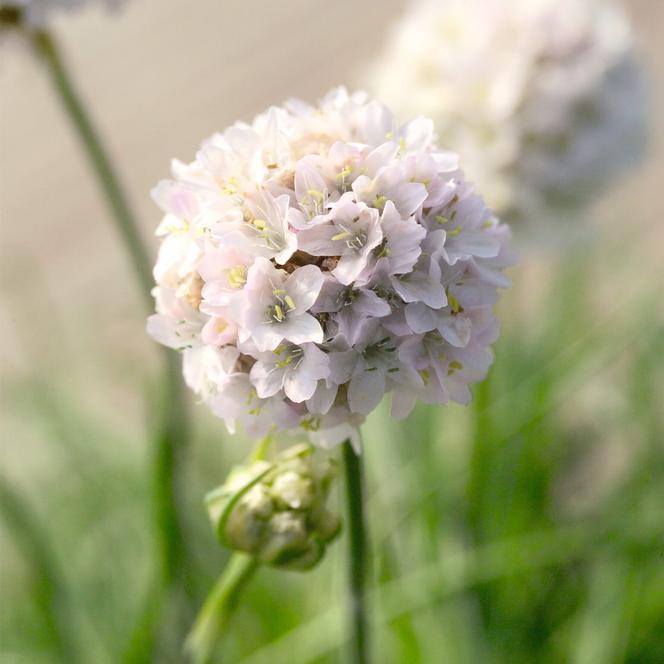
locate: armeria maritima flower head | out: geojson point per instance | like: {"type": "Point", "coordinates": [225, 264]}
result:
{"type": "Point", "coordinates": [323, 256]}
{"type": "Point", "coordinates": [544, 99]}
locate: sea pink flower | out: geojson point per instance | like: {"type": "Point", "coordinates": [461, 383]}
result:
{"type": "Point", "coordinates": [319, 258]}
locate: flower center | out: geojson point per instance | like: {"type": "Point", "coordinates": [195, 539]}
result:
{"type": "Point", "coordinates": [282, 307]}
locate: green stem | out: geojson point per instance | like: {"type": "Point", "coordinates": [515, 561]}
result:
{"type": "Point", "coordinates": [172, 428]}
{"type": "Point", "coordinates": [219, 607]}
{"type": "Point", "coordinates": [101, 165]}
{"type": "Point", "coordinates": [357, 555]}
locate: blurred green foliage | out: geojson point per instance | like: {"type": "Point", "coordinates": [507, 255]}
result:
{"type": "Point", "coordinates": [526, 528]}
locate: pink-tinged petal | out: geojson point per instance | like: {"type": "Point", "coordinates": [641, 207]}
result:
{"type": "Point", "coordinates": [342, 365]}
{"type": "Point", "coordinates": [403, 402]}
{"type": "Point", "coordinates": [366, 389]}
{"type": "Point", "coordinates": [420, 318]}
{"type": "Point", "coordinates": [367, 302]}
{"type": "Point", "coordinates": [290, 247]}
{"type": "Point", "coordinates": [379, 158]}
{"type": "Point", "coordinates": [418, 134]}
{"type": "Point", "coordinates": [316, 363]}
{"type": "Point", "coordinates": [218, 332]}
{"type": "Point", "coordinates": [318, 241]}
{"type": "Point", "coordinates": [299, 387]}
{"type": "Point", "coordinates": [323, 398]}
{"type": "Point", "coordinates": [349, 267]}
{"type": "Point", "coordinates": [446, 162]}
{"type": "Point", "coordinates": [330, 297]}
{"type": "Point", "coordinates": [378, 123]}
{"type": "Point", "coordinates": [175, 198]}
{"type": "Point", "coordinates": [409, 197]}
{"type": "Point", "coordinates": [300, 329]}
{"type": "Point", "coordinates": [267, 379]}
{"type": "Point", "coordinates": [455, 330]}
{"type": "Point", "coordinates": [304, 285]}
{"type": "Point", "coordinates": [472, 243]}
{"type": "Point", "coordinates": [422, 287]}
{"type": "Point", "coordinates": [403, 240]}
{"type": "Point", "coordinates": [266, 336]}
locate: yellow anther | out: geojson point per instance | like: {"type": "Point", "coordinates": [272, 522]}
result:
{"type": "Point", "coordinates": [389, 136]}
{"type": "Point", "coordinates": [220, 326]}
{"type": "Point", "coordinates": [441, 218]}
{"type": "Point", "coordinates": [315, 194]}
{"type": "Point", "coordinates": [402, 144]}
{"type": "Point", "coordinates": [260, 224]}
{"type": "Point", "coordinates": [237, 276]}
{"type": "Point", "coordinates": [345, 172]}
{"type": "Point", "coordinates": [278, 291]}
{"type": "Point", "coordinates": [425, 376]}
{"type": "Point", "coordinates": [282, 364]}
{"type": "Point", "coordinates": [311, 424]}
{"type": "Point", "coordinates": [454, 232]}
{"type": "Point", "coordinates": [279, 313]}
{"type": "Point", "coordinates": [453, 366]}
{"type": "Point", "coordinates": [454, 303]}
{"type": "Point", "coordinates": [340, 236]}
{"type": "Point", "coordinates": [379, 202]}
{"type": "Point", "coordinates": [289, 302]}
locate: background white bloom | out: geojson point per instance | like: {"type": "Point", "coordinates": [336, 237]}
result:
{"type": "Point", "coordinates": [37, 12]}
{"type": "Point", "coordinates": [543, 99]}
{"type": "Point", "coordinates": [319, 258]}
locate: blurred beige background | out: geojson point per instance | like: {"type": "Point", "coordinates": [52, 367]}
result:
{"type": "Point", "coordinates": [159, 77]}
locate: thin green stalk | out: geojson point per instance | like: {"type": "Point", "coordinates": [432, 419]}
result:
{"type": "Point", "coordinates": [172, 430]}
{"type": "Point", "coordinates": [219, 607]}
{"type": "Point", "coordinates": [107, 179]}
{"type": "Point", "coordinates": [357, 555]}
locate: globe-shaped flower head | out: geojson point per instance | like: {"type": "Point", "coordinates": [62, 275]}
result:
{"type": "Point", "coordinates": [320, 257]}
{"type": "Point", "coordinates": [544, 99]}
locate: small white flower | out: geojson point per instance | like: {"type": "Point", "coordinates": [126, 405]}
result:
{"type": "Point", "coordinates": [37, 12]}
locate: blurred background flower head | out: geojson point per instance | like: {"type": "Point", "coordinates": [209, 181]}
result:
{"type": "Point", "coordinates": [36, 13]}
{"type": "Point", "coordinates": [545, 99]}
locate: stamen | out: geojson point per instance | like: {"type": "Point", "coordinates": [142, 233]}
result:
{"type": "Point", "coordinates": [379, 202]}
{"type": "Point", "coordinates": [289, 302]}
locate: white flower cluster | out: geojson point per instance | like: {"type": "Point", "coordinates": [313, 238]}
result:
{"type": "Point", "coordinates": [37, 12]}
{"type": "Point", "coordinates": [323, 256]}
{"type": "Point", "coordinates": [543, 99]}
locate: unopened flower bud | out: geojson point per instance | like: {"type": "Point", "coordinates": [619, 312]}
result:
{"type": "Point", "coordinates": [276, 511]}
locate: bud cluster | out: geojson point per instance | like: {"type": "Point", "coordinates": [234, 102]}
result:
{"type": "Point", "coordinates": [276, 510]}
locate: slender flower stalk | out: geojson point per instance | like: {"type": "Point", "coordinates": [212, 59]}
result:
{"type": "Point", "coordinates": [172, 429]}
{"type": "Point", "coordinates": [219, 607]}
{"type": "Point", "coordinates": [48, 51]}
{"type": "Point", "coordinates": [358, 558]}
{"type": "Point", "coordinates": [274, 513]}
